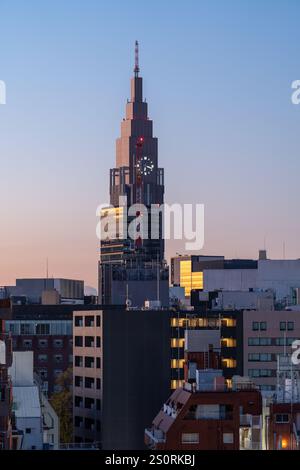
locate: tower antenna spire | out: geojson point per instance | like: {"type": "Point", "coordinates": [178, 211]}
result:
{"type": "Point", "coordinates": [136, 59]}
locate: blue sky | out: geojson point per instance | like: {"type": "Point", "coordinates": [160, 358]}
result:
{"type": "Point", "coordinates": [217, 77]}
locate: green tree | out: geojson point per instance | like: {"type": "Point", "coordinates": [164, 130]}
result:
{"type": "Point", "coordinates": [62, 404]}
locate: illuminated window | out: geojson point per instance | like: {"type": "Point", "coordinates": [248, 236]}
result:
{"type": "Point", "coordinates": [284, 443]}
{"type": "Point", "coordinates": [176, 384]}
{"type": "Point", "coordinates": [228, 363]}
{"type": "Point", "coordinates": [177, 363]}
{"type": "Point", "coordinates": [177, 342]}
{"type": "Point", "coordinates": [228, 342]}
{"type": "Point", "coordinates": [229, 383]}
{"type": "Point", "coordinates": [228, 322]}
{"type": "Point", "coordinates": [189, 279]}
{"type": "Point", "coordinates": [181, 322]}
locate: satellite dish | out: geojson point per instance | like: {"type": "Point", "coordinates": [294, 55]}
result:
{"type": "Point", "coordinates": [128, 303]}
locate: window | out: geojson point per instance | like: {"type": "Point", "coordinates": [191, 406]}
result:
{"type": "Point", "coordinates": [27, 343]}
{"type": "Point", "coordinates": [282, 325]}
{"type": "Point", "coordinates": [89, 382]}
{"type": "Point", "coordinates": [228, 362]}
{"type": "Point", "coordinates": [263, 326]}
{"type": "Point", "coordinates": [57, 372]}
{"type": "Point", "coordinates": [78, 361]}
{"type": "Point", "coordinates": [89, 362]}
{"type": "Point", "coordinates": [265, 341]}
{"type": "Point", "coordinates": [261, 373]}
{"type": "Point", "coordinates": [58, 343]}
{"type": "Point", "coordinates": [89, 403]}
{"type": "Point", "coordinates": [78, 341]}
{"type": "Point", "coordinates": [190, 438]}
{"type": "Point", "coordinates": [259, 341]}
{"type": "Point", "coordinates": [98, 342]}
{"type": "Point", "coordinates": [78, 401]}
{"type": "Point", "coordinates": [228, 437]}
{"type": "Point", "coordinates": [89, 341]}
{"type": "Point", "coordinates": [264, 357]}
{"type": "Point", "coordinates": [89, 320]}
{"type": "Point", "coordinates": [98, 320]}
{"type": "Point", "coordinates": [42, 329]}
{"type": "Point", "coordinates": [177, 363]}
{"type": "Point", "coordinates": [78, 381]}
{"type": "Point", "coordinates": [78, 421]}
{"type": "Point", "coordinates": [253, 357]}
{"type": "Point", "coordinates": [284, 341]}
{"type": "Point", "coordinates": [42, 358]}
{"type": "Point", "coordinates": [78, 321]}
{"type": "Point", "coordinates": [89, 423]}
{"type": "Point", "coordinates": [98, 384]}
{"type": "Point", "coordinates": [98, 365]}
{"type": "Point", "coordinates": [43, 343]}
{"type": "Point", "coordinates": [265, 373]}
{"type": "Point", "coordinates": [28, 430]}
{"type": "Point", "coordinates": [282, 418]}
{"type": "Point", "coordinates": [98, 404]}
{"type": "Point", "coordinates": [255, 326]}
{"type": "Point", "coordinates": [43, 373]}
{"type": "Point", "coordinates": [290, 325]}
{"type": "Point", "coordinates": [58, 358]}
{"type": "Point", "coordinates": [25, 329]}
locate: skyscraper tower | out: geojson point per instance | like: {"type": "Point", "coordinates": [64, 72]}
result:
{"type": "Point", "coordinates": [132, 267]}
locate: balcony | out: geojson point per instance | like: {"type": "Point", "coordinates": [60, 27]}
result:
{"type": "Point", "coordinates": [170, 411]}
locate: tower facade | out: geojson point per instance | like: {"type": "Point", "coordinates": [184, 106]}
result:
{"type": "Point", "coordinates": [132, 267]}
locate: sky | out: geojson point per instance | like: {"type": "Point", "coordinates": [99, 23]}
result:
{"type": "Point", "coordinates": [217, 77]}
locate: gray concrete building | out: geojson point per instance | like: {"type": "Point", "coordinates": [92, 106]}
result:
{"type": "Point", "coordinates": [32, 291]}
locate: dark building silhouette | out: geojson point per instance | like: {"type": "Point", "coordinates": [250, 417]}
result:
{"type": "Point", "coordinates": [121, 374]}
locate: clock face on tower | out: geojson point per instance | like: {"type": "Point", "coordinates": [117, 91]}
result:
{"type": "Point", "coordinates": [145, 166]}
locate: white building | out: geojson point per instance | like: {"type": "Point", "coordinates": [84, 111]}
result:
{"type": "Point", "coordinates": [282, 277]}
{"type": "Point", "coordinates": [36, 420]}
{"type": "Point", "coordinates": [27, 410]}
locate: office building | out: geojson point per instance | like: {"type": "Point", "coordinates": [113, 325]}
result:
{"type": "Point", "coordinates": [121, 375]}
{"type": "Point", "coordinates": [223, 327]}
{"type": "Point", "coordinates": [268, 334]}
{"type": "Point", "coordinates": [132, 268]}
{"type": "Point", "coordinates": [210, 274]}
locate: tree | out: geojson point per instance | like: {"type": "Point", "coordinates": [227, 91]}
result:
{"type": "Point", "coordinates": [62, 404]}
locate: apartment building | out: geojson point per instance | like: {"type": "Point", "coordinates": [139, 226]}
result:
{"type": "Point", "coordinates": [209, 417]}
{"type": "Point", "coordinates": [6, 398]}
{"type": "Point", "coordinates": [267, 335]}
{"type": "Point", "coordinates": [226, 324]}
{"type": "Point", "coordinates": [121, 374]}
